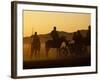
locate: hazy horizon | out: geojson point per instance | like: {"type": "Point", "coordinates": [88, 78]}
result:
{"type": "Point", "coordinates": [58, 31]}
{"type": "Point", "coordinates": [43, 22]}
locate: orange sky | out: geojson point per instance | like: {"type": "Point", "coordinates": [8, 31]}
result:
{"type": "Point", "coordinates": [42, 22]}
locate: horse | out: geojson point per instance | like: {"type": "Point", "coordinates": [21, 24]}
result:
{"type": "Point", "coordinates": [79, 48]}
{"type": "Point", "coordinates": [71, 46]}
{"type": "Point", "coordinates": [64, 48]}
{"type": "Point", "coordinates": [55, 44]}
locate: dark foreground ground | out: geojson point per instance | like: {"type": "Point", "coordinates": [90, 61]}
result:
{"type": "Point", "coordinates": [65, 62]}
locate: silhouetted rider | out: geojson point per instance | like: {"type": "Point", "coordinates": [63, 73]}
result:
{"type": "Point", "coordinates": [54, 34]}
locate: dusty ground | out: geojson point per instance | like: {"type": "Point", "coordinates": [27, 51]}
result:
{"type": "Point", "coordinates": [53, 60]}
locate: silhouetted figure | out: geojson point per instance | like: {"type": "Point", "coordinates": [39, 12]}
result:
{"type": "Point", "coordinates": [55, 36]}
{"type": "Point", "coordinates": [79, 38]}
{"type": "Point", "coordinates": [88, 36]}
{"type": "Point", "coordinates": [87, 40]}
{"type": "Point", "coordinates": [35, 44]}
{"type": "Point", "coordinates": [78, 42]}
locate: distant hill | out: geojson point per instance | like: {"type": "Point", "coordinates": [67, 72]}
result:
{"type": "Point", "coordinates": [45, 37]}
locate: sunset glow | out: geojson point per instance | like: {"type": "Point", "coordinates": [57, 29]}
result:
{"type": "Point", "coordinates": [42, 22]}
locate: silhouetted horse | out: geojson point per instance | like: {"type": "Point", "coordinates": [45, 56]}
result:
{"type": "Point", "coordinates": [71, 46]}
{"type": "Point", "coordinates": [55, 44]}
{"type": "Point", "coordinates": [82, 48]}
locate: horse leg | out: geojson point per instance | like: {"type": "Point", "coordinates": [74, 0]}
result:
{"type": "Point", "coordinates": [32, 52]}
{"type": "Point", "coordinates": [38, 51]}
{"type": "Point", "coordinates": [66, 49]}
{"type": "Point", "coordinates": [47, 50]}
{"type": "Point", "coordinates": [35, 51]}
{"type": "Point", "coordinates": [58, 51]}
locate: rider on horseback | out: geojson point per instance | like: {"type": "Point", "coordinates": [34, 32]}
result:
{"type": "Point", "coordinates": [55, 35]}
